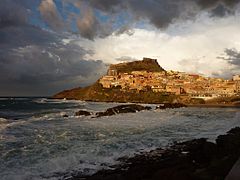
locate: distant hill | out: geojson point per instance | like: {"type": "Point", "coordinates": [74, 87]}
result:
{"type": "Point", "coordinates": [96, 92]}
{"type": "Point", "coordinates": [146, 81]}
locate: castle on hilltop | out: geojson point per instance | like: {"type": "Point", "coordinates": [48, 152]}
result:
{"type": "Point", "coordinates": [147, 64]}
{"type": "Point", "coordinates": [148, 75]}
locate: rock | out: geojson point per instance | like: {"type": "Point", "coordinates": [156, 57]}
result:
{"type": "Point", "coordinates": [230, 142]}
{"type": "Point", "coordinates": [200, 150]}
{"type": "Point", "coordinates": [130, 108]}
{"type": "Point", "coordinates": [63, 114]}
{"type": "Point", "coordinates": [82, 113]}
{"type": "Point", "coordinates": [170, 106]}
{"type": "Point", "coordinates": [197, 159]}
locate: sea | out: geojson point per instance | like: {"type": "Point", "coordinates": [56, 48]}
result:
{"type": "Point", "coordinates": [37, 142]}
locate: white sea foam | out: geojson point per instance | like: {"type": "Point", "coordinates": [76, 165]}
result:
{"type": "Point", "coordinates": [50, 146]}
{"type": "Point", "coordinates": [3, 120]}
{"type": "Point", "coordinates": [40, 101]}
{"type": "Point", "coordinates": [58, 101]}
{"type": "Point", "coordinates": [3, 124]}
{"type": "Point", "coordinates": [4, 98]}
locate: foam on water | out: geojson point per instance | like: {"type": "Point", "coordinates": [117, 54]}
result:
{"type": "Point", "coordinates": [3, 99]}
{"type": "Point", "coordinates": [54, 101]}
{"type": "Point", "coordinates": [3, 120]}
{"type": "Point", "coordinates": [49, 146]}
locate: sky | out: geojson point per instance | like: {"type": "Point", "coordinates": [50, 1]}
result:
{"type": "Point", "coordinates": [47, 46]}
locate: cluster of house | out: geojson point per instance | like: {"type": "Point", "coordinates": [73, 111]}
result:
{"type": "Point", "coordinates": [172, 82]}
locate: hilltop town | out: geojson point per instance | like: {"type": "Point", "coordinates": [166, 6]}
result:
{"type": "Point", "coordinates": [146, 81]}
{"type": "Point", "coordinates": [170, 82]}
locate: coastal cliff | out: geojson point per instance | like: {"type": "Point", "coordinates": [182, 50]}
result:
{"type": "Point", "coordinates": [147, 64]}
{"type": "Point", "coordinates": [146, 81]}
{"type": "Point", "coordinates": [97, 92]}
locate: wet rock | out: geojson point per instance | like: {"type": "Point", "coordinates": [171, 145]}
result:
{"type": "Point", "coordinates": [230, 142]}
{"type": "Point", "coordinates": [129, 108]}
{"type": "Point", "coordinates": [197, 159]}
{"type": "Point", "coordinates": [63, 114]}
{"type": "Point", "coordinates": [200, 150]}
{"type": "Point", "coordinates": [170, 106]}
{"type": "Point", "coordinates": [82, 113]}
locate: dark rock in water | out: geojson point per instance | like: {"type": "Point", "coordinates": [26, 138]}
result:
{"type": "Point", "coordinates": [170, 106]}
{"type": "Point", "coordinates": [65, 115]}
{"type": "Point", "coordinates": [230, 142]}
{"type": "Point", "coordinates": [200, 150]}
{"type": "Point", "coordinates": [129, 108]}
{"type": "Point", "coordinates": [82, 113]}
{"type": "Point", "coordinates": [197, 159]}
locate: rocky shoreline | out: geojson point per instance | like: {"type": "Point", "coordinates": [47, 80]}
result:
{"type": "Point", "coordinates": [197, 159]}
{"type": "Point", "coordinates": [126, 108]}
{"type": "Point", "coordinates": [214, 105]}
{"type": "Point", "coordinates": [133, 108]}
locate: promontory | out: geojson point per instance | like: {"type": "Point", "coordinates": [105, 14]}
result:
{"type": "Point", "coordinates": [146, 81]}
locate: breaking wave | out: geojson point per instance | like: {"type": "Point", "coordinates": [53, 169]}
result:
{"type": "Point", "coordinates": [46, 145]}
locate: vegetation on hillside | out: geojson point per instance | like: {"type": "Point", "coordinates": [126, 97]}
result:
{"type": "Point", "coordinates": [145, 65]}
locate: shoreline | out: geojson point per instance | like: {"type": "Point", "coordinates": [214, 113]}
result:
{"type": "Point", "coordinates": [137, 102]}
{"type": "Point", "coordinates": [214, 105]}
{"type": "Point", "coordinates": [197, 159]}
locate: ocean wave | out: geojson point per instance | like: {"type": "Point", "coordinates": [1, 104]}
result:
{"type": "Point", "coordinates": [3, 99]}
{"type": "Point", "coordinates": [55, 114]}
{"type": "Point", "coordinates": [3, 120]}
{"type": "Point", "coordinates": [6, 123]}
{"type": "Point", "coordinates": [60, 146]}
{"type": "Point", "coordinates": [40, 101]}
{"type": "Point", "coordinates": [3, 125]}
{"type": "Point", "coordinates": [57, 101]}
{"type": "Point", "coordinates": [14, 98]}
{"type": "Point", "coordinates": [20, 99]}
{"type": "Point", "coordinates": [13, 123]}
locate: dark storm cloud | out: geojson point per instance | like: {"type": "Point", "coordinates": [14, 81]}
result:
{"type": "Point", "coordinates": [49, 66]}
{"type": "Point", "coordinates": [219, 8]}
{"type": "Point", "coordinates": [34, 61]}
{"type": "Point", "coordinates": [44, 64]}
{"type": "Point", "coordinates": [89, 26]}
{"type": "Point", "coordinates": [160, 13]}
{"type": "Point", "coordinates": [232, 56]}
{"type": "Point", "coordinates": [15, 31]}
{"type": "Point", "coordinates": [106, 5]}
{"type": "Point", "coordinates": [15, 36]}
{"type": "Point", "coordinates": [212, 3]}
{"type": "Point", "coordinates": [16, 12]}
{"type": "Point", "coordinates": [11, 14]}
{"type": "Point", "coordinates": [220, 11]}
